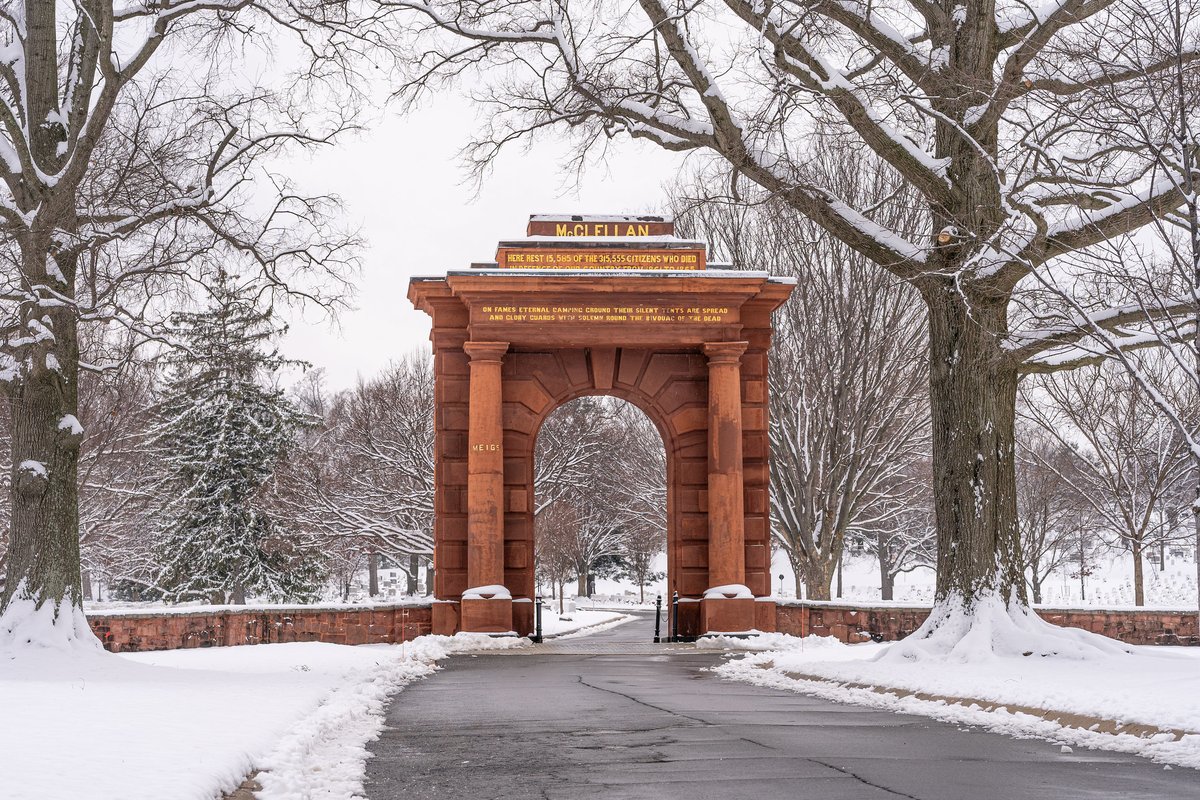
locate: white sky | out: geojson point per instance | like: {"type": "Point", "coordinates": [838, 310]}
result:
{"type": "Point", "coordinates": [403, 181]}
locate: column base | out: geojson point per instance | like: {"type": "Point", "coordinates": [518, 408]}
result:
{"type": "Point", "coordinates": [727, 615]}
{"type": "Point", "coordinates": [766, 615]}
{"type": "Point", "coordinates": [445, 617]}
{"type": "Point", "coordinates": [486, 615]}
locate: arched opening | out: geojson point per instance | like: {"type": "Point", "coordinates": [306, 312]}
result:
{"type": "Point", "coordinates": [600, 503]}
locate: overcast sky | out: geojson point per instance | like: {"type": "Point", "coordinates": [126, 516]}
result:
{"type": "Point", "coordinates": [403, 182]}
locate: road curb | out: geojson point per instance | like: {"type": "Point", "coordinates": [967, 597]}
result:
{"type": "Point", "coordinates": [1064, 718]}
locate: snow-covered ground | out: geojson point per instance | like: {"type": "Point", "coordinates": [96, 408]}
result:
{"type": "Point", "coordinates": [186, 724]}
{"type": "Point", "coordinates": [1151, 687]}
{"type": "Point", "coordinates": [192, 724]}
{"type": "Point", "coordinates": [581, 620]}
{"type": "Point", "coordinates": [1110, 585]}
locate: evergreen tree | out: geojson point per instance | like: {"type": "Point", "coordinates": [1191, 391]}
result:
{"type": "Point", "coordinates": [222, 431]}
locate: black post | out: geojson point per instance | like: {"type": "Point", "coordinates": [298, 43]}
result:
{"type": "Point", "coordinates": [657, 615]}
{"type": "Point", "coordinates": [675, 616]}
{"type": "Point", "coordinates": [537, 620]}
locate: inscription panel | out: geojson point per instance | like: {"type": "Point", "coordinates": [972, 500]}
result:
{"type": "Point", "coordinates": [608, 227]}
{"type": "Point", "coordinates": [615, 314]}
{"type": "Point", "coordinates": [600, 259]}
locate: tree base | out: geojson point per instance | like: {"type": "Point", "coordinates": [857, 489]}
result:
{"type": "Point", "coordinates": [988, 628]}
{"type": "Point", "coordinates": [62, 627]}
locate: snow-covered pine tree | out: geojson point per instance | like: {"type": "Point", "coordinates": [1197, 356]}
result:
{"type": "Point", "coordinates": [222, 430]}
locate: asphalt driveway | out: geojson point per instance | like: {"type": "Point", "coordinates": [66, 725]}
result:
{"type": "Point", "coordinates": [612, 716]}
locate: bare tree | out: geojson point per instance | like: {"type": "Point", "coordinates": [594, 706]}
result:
{"type": "Point", "coordinates": [128, 153]}
{"type": "Point", "coordinates": [637, 552]}
{"type": "Point", "coordinates": [899, 530]}
{"type": "Point", "coordinates": [1156, 110]}
{"type": "Point", "coordinates": [980, 108]}
{"type": "Point", "coordinates": [1048, 508]}
{"type": "Point", "coordinates": [571, 446]}
{"type": "Point", "coordinates": [119, 472]}
{"type": "Point", "coordinates": [1132, 458]}
{"type": "Point", "coordinates": [554, 564]}
{"type": "Point", "coordinates": [363, 475]}
{"type": "Point", "coordinates": [848, 376]}
{"type": "Point", "coordinates": [605, 463]}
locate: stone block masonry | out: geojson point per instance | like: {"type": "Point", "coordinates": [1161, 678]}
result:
{"type": "Point", "coordinates": [858, 622]}
{"type": "Point", "coordinates": [128, 632]}
{"type": "Point", "coordinates": [169, 629]}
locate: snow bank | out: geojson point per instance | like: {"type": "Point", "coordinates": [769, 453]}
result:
{"type": "Point", "coordinates": [1154, 687]}
{"type": "Point", "coordinates": [760, 642]}
{"type": "Point", "coordinates": [992, 628]}
{"type": "Point", "coordinates": [62, 628]}
{"type": "Point", "coordinates": [191, 724]}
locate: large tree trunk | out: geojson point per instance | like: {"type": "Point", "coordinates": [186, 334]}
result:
{"type": "Point", "coordinates": [818, 578]}
{"type": "Point", "coordinates": [973, 387]}
{"type": "Point", "coordinates": [372, 573]}
{"type": "Point", "coordinates": [43, 556]}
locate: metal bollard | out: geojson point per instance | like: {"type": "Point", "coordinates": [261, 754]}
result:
{"type": "Point", "coordinates": [537, 620]}
{"type": "Point", "coordinates": [675, 616]}
{"type": "Point", "coordinates": [657, 615]}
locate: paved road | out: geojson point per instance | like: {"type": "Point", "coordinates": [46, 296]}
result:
{"type": "Point", "coordinates": [610, 717]}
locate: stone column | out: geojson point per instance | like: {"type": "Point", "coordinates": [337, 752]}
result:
{"type": "Point", "coordinates": [732, 610]}
{"type": "Point", "coordinates": [487, 611]}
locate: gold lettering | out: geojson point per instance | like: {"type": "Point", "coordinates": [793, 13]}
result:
{"type": "Point", "coordinates": [560, 229]}
{"type": "Point", "coordinates": [701, 315]}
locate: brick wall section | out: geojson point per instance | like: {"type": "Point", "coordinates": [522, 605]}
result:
{"type": "Point", "coordinates": [856, 623]}
{"type": "Point", "coordinates": [168, 630]}
{"type": "Point", "coordinates": [126, 633]}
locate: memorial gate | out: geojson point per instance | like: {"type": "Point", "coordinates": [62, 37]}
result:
{"type": "Point", "coordinates": [601, 306]}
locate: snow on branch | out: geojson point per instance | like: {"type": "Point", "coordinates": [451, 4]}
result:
{"type": "Point", "coordinates": [1136, 209]}
{"type": "Point", "coordinates": [1047, 349]}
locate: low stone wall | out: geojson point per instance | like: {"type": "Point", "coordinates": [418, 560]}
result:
{"type": "Point", "coordinates": [126, 632]}
{"type": "Point", "coordinates": [860, 622]}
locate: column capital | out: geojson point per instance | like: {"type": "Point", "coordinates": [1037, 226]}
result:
{"type": "Point", "coordinates": [485, 351]}
{"type": "Point", "coordinates": [725, 352]}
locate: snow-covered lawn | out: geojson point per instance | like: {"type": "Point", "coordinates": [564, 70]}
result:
{"type": "Point", "coordinates": [192, 724]}
{"type": "Point", "coordinates": [581, 620]}
{"type": "Point", "coordinates": [185, 724]}
{"type": "Point", "coordinates": [1148, 688]}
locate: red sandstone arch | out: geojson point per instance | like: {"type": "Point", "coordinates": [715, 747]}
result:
{"type": "Point", "coordinates": [703, 385]}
